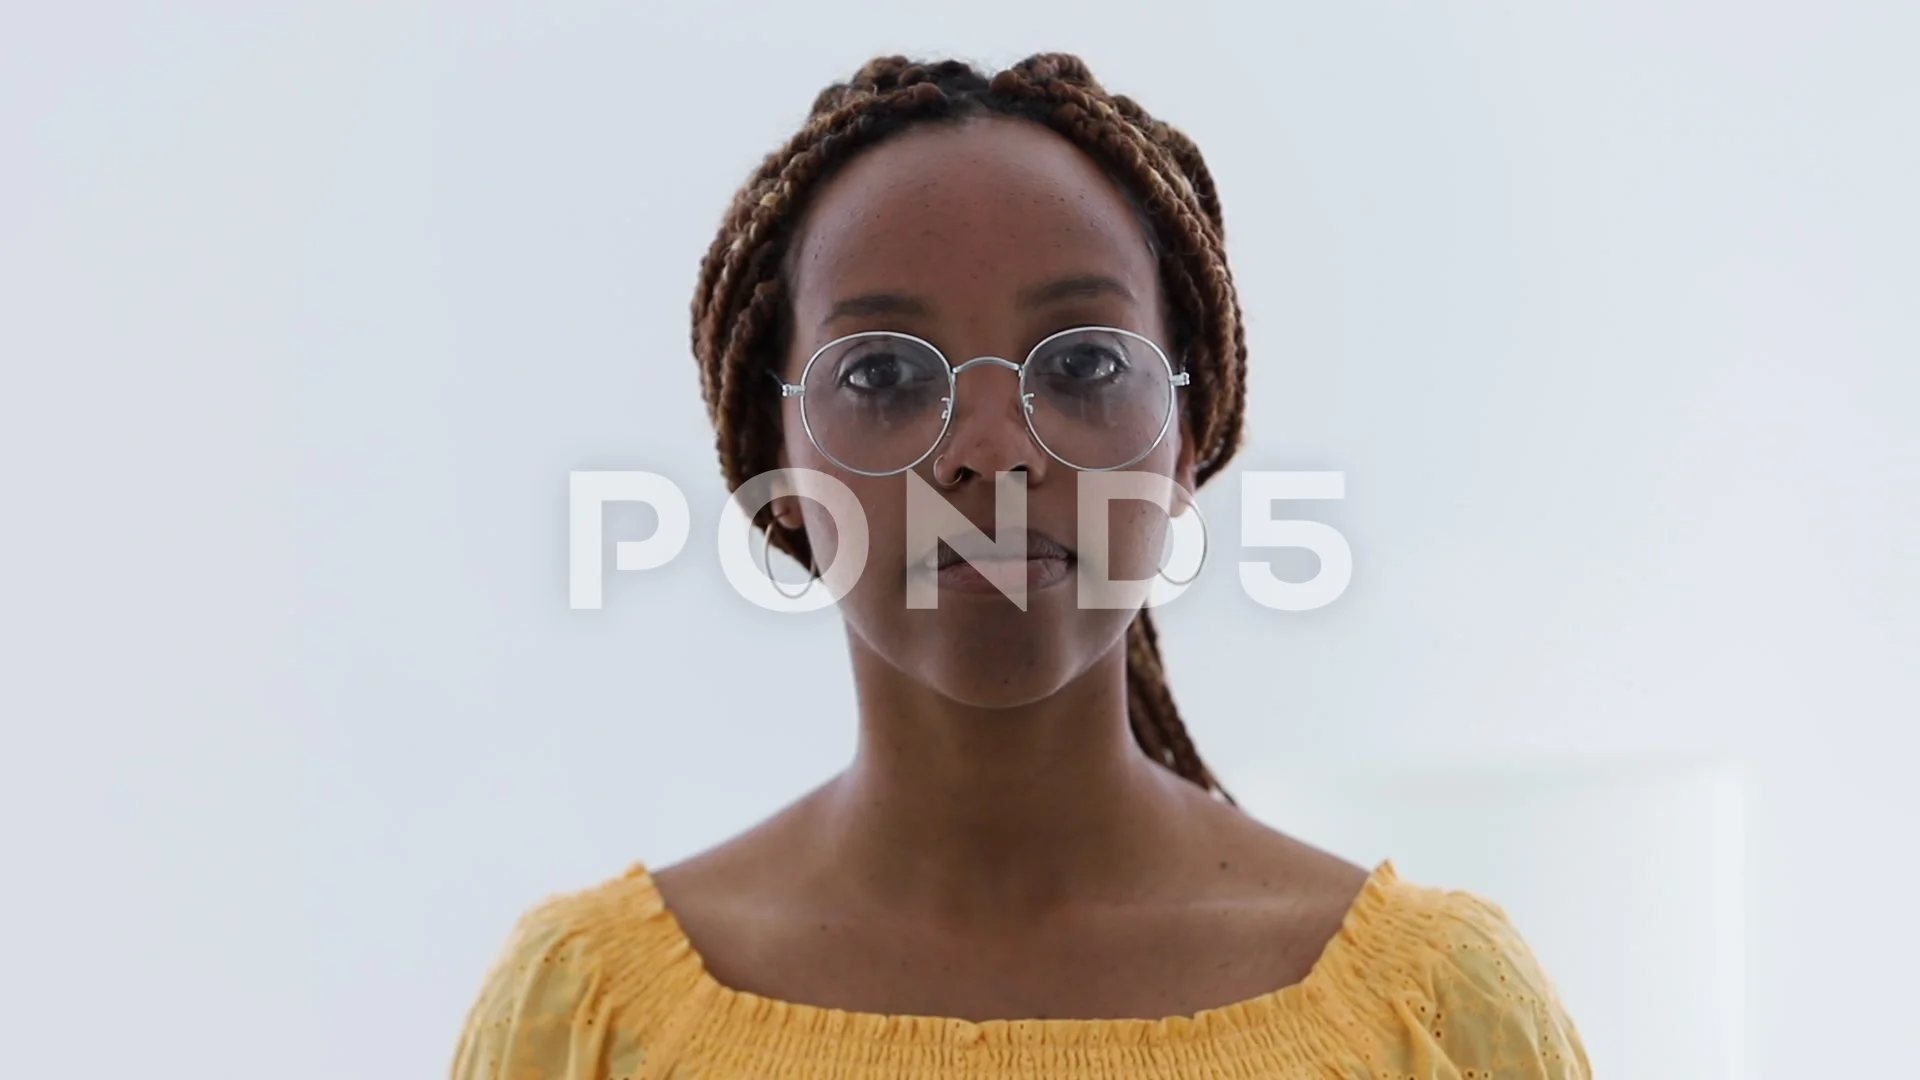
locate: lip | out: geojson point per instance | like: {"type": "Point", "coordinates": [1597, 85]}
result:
{"type": "Point", "coordinates": [1048, 562]}
{"type": "Point", "coordinates": [1001, 575]}
{"type": "Point", "coordinates": [1036, 545]}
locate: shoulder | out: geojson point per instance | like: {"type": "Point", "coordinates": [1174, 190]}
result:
{"type": "Point", "coordinates": [1461, 990]}
{"type": "Point", "coordinates": [594, 969]}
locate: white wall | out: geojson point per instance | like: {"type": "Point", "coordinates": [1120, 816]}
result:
{"type": "Point", "coordinates": [1606, 311]}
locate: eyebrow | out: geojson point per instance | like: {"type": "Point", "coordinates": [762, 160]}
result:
{"type": "Point", "coordinates": [1076, 287]}
{"type": "Point", "coordinates": [867, 305]}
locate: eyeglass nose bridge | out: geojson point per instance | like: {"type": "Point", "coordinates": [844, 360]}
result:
{"type": "Point", "coordinates": [1026, 398]}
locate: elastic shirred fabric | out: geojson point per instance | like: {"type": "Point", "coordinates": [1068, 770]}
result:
{"type": "Point", "coordinates": [1421, 983]}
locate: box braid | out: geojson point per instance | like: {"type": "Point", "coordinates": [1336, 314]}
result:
{"type": "Point", "coordinates": [741, 315]}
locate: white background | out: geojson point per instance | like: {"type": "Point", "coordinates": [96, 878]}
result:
{"type": "Point", "coordinates": [1607, 311]}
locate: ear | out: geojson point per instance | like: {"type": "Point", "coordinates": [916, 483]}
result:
{"type": "Point", "coordinates": [1184, 466]}
{"type": "Point", "coordinates": [785, 506]}
{"type": "Point", "coordinates": [786, 511]}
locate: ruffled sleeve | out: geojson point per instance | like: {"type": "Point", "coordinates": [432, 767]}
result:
{"type": "Point", "coordinates": [541, 1013]}
{"type": "Point", "coordinates": [1485, 1008]}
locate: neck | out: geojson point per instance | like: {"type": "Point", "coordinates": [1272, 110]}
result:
{"type": "Point", "coordinates": [988, 813]}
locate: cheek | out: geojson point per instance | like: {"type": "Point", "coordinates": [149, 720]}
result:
{"type": "Point", "coordinates": [1138, 535]}
{"type": "Point", "coordinates": [879, 502]}
{"type": "Point", "coordinates": [799, 453]}
{"type": "Point", "coordinates": [1136, 528]}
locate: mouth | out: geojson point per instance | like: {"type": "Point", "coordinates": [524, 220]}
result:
{"type": "Point", "coordinates": [1035, 544]}
{"type": "Point", "coordinates": [1021, 558]}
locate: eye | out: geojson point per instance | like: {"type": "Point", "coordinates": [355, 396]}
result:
{"type": "Point", "coordinates": [882, 369]}
{"type": "Point", "coordinates": [1085, 362]}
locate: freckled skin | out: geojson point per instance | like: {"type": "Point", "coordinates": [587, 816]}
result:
{"type": "Point", "coordinates": [966, 218]}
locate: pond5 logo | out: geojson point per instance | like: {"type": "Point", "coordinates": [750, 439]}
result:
{"type": "Point", "coordinates": [932, 521]}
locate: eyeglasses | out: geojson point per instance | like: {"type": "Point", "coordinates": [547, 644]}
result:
{"type": "Point", "coordinates": [1095, 398]}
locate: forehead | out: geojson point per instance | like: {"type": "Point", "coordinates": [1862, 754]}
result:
{"type": "Point", "coordinates": [965, 216]}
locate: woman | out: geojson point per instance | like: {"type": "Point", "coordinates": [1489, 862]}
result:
{"type": "Point", "coordinates": [1026, 869]}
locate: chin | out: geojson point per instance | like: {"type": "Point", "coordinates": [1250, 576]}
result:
{"type": "Point", "coordinates": [968, 689]}
{"type": "Point", "coordinates": [994, 656]}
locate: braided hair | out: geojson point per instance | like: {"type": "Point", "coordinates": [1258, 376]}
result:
{"type": "Point", "coordinates": [742, 317]}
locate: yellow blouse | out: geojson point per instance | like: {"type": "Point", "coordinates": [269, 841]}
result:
{"type": "Point", "coordinates": [1418, 984]}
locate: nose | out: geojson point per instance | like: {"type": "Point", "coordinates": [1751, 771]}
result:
{"type": "Point", "coordinates": [987, 433]}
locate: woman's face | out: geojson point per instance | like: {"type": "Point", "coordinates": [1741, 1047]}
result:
{"type": "Point", "coordinates": [954, 235]}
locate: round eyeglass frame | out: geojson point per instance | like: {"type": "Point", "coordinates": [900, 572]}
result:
{"type": "Point", "coordinates": [1175, 380]}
